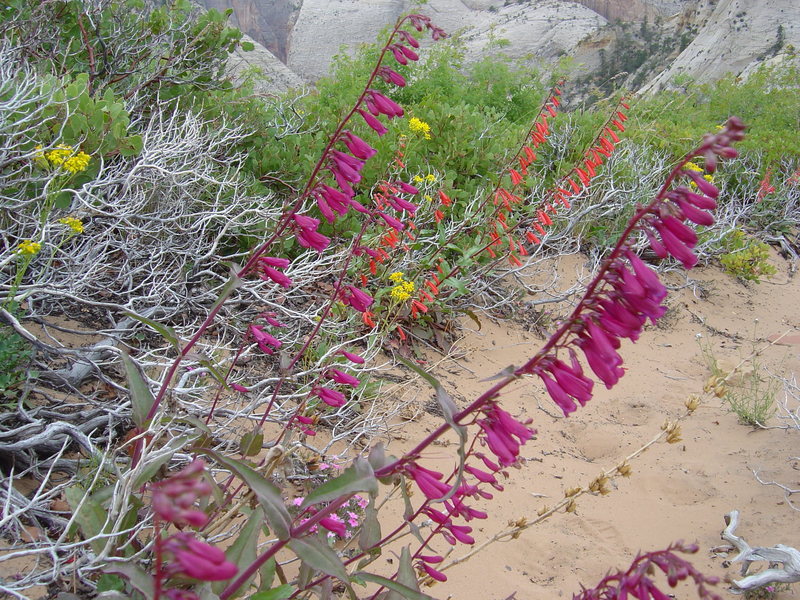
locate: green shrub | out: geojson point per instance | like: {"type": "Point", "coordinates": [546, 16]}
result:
{"type": "Point", "coordinates": [745, 256]}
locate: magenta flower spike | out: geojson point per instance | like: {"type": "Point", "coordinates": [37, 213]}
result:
{"type": "Point", "coordinates": [173, 498]}
{"type": "Point", "coordinates": [675, 247]}
{"type": "Point", "coordinates": [408, 38]}
{"type": "Point", "coordinates": [391, 221]}
{"type": "Point", "coordinates": [708, 188]}
{"type": "Point", "coordinates": [391, 76]}
{"type": "Point", "coordinates": [384, 105]}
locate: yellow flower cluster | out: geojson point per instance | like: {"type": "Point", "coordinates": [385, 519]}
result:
{"type": "Point", "coordinates": [695, 167]}
{"type": "Point", "coordinates": [76, 225]}
{"type": "Point", "coordinates": [65, 157]}
{"type": "Point", "coordinates": [429, 178]}
{"type": "Point", "coordinates": [420, 127]}
{"type": "Point", "coordinates": [28, 248]}
{"type": "Point", "coordinates": [403, 289]}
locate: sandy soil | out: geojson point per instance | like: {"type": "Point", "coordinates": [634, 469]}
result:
{"type": "Point", "coordinates": [677, 491]}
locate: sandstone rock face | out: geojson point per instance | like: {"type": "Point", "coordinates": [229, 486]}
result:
{"type": "Point", "coordinates": [545, 29]}
{"type": "Point", "coordinates": [633, 10]}
{"type": "Point", "coordinates": [737, 35]}
{"type": "Point", "coordinates": [272, 76]}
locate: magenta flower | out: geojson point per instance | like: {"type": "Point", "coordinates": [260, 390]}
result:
{"type": "Point", "coordinates": [358, 147]}
{"type": "Point", "coordinates": [391, 221]}
{"type": "Point", "coordinates": [332, 523]}
{"type": "Point", "coordinates": [381, 104]}
{"type": "Point", "coordinates": [354, 358]}
{"type": "Point", "coordinates": [278, 263]}
{"type": "Point", "coordinates": [197, 559]}
{"type": "Point", "coordinates": [276, 276]}
{"type": "Point", "coordinates": [708, 188]}
{"type": "Point", "coordinates": [437, 575]}
{"type": "Point", "coordinates": [264, 339]}
{"type": "Point", "coordinates": [347, 166]}
{"type": "Point", "coordinates": [408, 38]}
{"type": "Point", "coordinates": [173, 498]}
{"type": "Point", "coordinates": [239, 388]}
{"type": "Point", "coordinates": [399, 204]}
{"type": "Point", "coordinates": [676, 247]}
{"type": "Point", "coordinates": [342, 377]}
{"type": "Point", "coordinates": [428, 481]}
{"type": "Point", "coordinates": [330, 396]}
{"type": "Point", "coordinates": [307, 234]}
{"type": "Point", "coordinates": [407, 187]}
{"type": "Point", "coordinates": [391, 76]}
{"type": "Point", "coordinates": [373, 122]}
{"type": "Point", "coordinates": [358, 299]}
{"type": "Point", "coordinates": [503, 434]}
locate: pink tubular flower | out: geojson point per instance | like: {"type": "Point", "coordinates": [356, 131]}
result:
{"type": "Point", "coordinates": [558, 395]}
{"type": "Point", "coordinates": [173, 498]}
{"type": "Point", "coordinates": [408, 38]}
{"type": "Point", "coordinates": [239, 388]}
{"type": "Point", "coordinates": [278, 263]}
{"type": "Point", "coordinates": [330, 396]}
{"type": "Point", "coordinates": [391, 221]}
{"type": "Point", "coordinates": [358, 299]}
{"type": "Point", "coordinates": [342, 377]}
{"type": "Point", "coordinates": [503, 434]}
{"type": "Point", "coordinates": [708, 188]}
{"type": "Point", "coordinates": [334, 525]}
{"type": "Point", "coordinates": [373, 122]}
{"type": "Point", "coordinates": [276, 276]}
{"type": "Point", "coordinates": [358, 147]}
{"type": "Point", "coordinates": [676, 247]}
{"type": "Point", "coordinates": [264, 340]}
{"type": "Point", "coordinates": [347, 166]}
{"type": "Point", "coordinates": [307, 234]}
{"type": "Point", "coordinates": [354, 358]}
{"type": "Point", "coordinates": [407, 187]}
{"type": "Point", "coordinates": [384, 105]}
{"type": "Point", "coordinates": [427, 481]}
{"type": "Point", "coordinates": [391, 76]}
{"type": "Point", "coordinates": [433, 573]}
{"type": "Point", "coordinates": [197, 559]}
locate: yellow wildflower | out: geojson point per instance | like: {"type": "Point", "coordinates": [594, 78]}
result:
{"type": "Point", "coordinates": [397, 276]}
{"type": "Point", "coordinates": [28, 248]}
{"type": "Point", "coordinates": [76, 225]}
{"type": "Point", "coordinates": [420, 127]}
{"type": "Point", "coordinates": [418, 179]}
{"type": "Point", "coordinates": [64, 156]}
{"type": "Point", "coordinates": [693, 167]}
{"type": "Point", "coordinates": [428, 197]}
{"type": "Point", "coordinates": [430, 177]}
{"type": "Point", "coordinates": [39, 152]}
{"type": "Point", "coordinates": [402, 291]}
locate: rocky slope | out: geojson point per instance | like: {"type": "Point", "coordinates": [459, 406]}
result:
{"type": "Point", "coordinates": [703, 39]}
{"type": "Point", "coordinates": [733, 36]}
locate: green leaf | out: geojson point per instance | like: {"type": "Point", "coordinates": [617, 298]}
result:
{"type": "Point", "coordinates": [136, 576]}
{"type": "Point", "coordinates": [268, 494]}
{"type": "Point", "coordinates": [474, 317]}
{"type": "Point", "coordinates": [279, 593]}
{"type": "Point", "coordinates": [141, 397]}
{"type": "Point", "coordinates": [91, 517]}
{"type": "Point", "coordinates": [315, 552]}
{"type": "Point", "coordinates": [167, 332]}
{"type": "Point", "coordinates": [266, 575]}
{"type": "Point", "coordinates": [251, 442]}
{"type": "Point", "coordinates": [405, 591]}
{"type": "Point", "coordinates": [358, 477]}
{"type": "Point", "coordinates": [242, 552]}
{"type": "Point", "coordinates": [248, 46]}
{"type": "Point", "coordinates": [63, 200]}
{"type": "Point", "coordinates": [370, 529]}
{"type": "Point", "coordinates": [405, 576]}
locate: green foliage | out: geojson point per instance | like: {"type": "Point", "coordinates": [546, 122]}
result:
{"type": "Point", "coordinates": [745, 257]}
{"type": "Point", "coordinates": [768, 102]}
{"type": "Point", "coordinates": [15, 355]}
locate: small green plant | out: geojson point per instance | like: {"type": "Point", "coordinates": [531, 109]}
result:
{"type": "Point", "coordinates": [15, 353]}
{"type": "Point", "coordinates": [749, 393]}
{"type": "Point", "coordinates": [767, 592]}
{"type": "Point", "coordinates": [745, 257]}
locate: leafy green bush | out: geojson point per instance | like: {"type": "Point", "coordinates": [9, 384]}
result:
{"type": "Point", "coordinates": [745, 256]}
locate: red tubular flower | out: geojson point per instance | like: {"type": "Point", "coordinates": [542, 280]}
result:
{"type": "Point", "coordinates": [307, 234]}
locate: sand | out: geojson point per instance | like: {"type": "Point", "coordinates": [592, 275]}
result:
{"type": "Point", "coordinates": [677, 491]}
